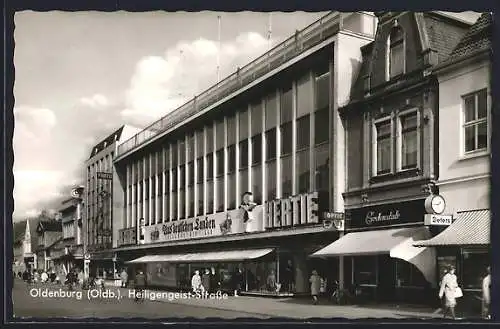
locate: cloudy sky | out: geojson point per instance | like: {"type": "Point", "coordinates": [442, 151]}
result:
{"type": "Point", "coordinates": [81, 75]}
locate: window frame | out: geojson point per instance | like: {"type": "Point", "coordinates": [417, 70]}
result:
{"type": "Point", "coordinates": [399, 139]}
{"type": "Point", "coordinates": [475, 122]}
{"type": "Point", "coordinates": [375, 123]}
{"type": "Point", "coordinates": [390, 44]}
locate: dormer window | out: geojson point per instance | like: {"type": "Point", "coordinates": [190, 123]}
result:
{"type": "Point", "coordinates": [395, 57]}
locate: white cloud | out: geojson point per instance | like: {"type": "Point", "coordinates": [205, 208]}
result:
{"type": "Point", "coordinates": [96, 101]}
{"type": "Point", "coordinates": [161, 84]}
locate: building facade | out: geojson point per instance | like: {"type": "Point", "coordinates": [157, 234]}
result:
{"type": "Point", "coordinates": [49, 232]}
{"type": "Point", "coordinates": [101, 201]}
{"type": "Point", "coordinates": [464, 171]}
{"type": "Point", "coordinates": [392, 158]}
{"type": "Point", "coordinates": [71, 252]}
{"type": "Point", "coordinates": [239, 178]}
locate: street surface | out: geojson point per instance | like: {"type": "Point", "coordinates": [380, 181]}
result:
{"type": "Point", "coordinates": [29, 301]}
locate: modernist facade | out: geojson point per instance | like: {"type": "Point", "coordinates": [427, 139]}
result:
{"type": "Point", "coordinates": [464, 172]}
{"type": "Point", "coordinates": [102, 200]}
{"type": "Point", "coordinates": [393, 158]}
{"type": "Point", "coordinates": [239, 177]}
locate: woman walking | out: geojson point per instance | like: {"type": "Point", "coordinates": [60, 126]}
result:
{"type": "Point", "coordinates": [315, 281]}
{"type": "Point", "coordinates": [449, 287]}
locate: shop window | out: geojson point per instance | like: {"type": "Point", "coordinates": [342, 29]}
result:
{"type": "Point", "coordinates": [475, 121]}
{"type": "Point", "coordinates": [322, 91]}
{"type": "Point", "coordinates": [321, 126]}
{"type": "Point", "coordinates": [304, 96]}
{"type": "Point", "coordinates": [210, 138]}
{"type": "Point", "coordinates": [407, 275]}
{"type": "Point", "coordinates": [256, 149]}
{"type": "Point", "coordinates": [303, 172]}
{"type": "Point", "coordinates": [383, 146]}
{"type": "Point", "coordinates": [210, 197]}
{"type": "Point", "coordinates": [474, 264]}
{"type": "Point", "coordinates": [271, 111]}
{"type": "Point", "coordinates": [200, 200]}
{"type": "Point", "coordinates": [257, 183]}
{"type": "Point", "coordinates": [395, 53]}
{"type": "Point", "coordinates": [408, 125]}
{"type": "Point", "coordinates": [271, 144]}
{"type": "Point", "coordinates": [303, 132]}
{"type": "Point", "coordinates": [365, 270]}
{"type": "Point", "coordinates": [271, 180]}
{"type": "Point", "coordinates": [256, 118]}
{"type": "Point", "coordinates": [231, 130]}
{"type": "Point", "coordinates": [220, 193]}
{"type": "Point", "coordinates": [210, 166]}
{"type": "Point", "coordinates": [199, 174]}
{"type": "Point", "coordinates": [243, 125]}
{"type": "Point", "coordinates": [231, 161]}
{"type": "Point", "coordinates": [231, 191]}
{"type": "Point", "coordinates": [220, 162]}
{"type": "Point", "coordinates": [286, 176]}
{"type": "Point", "coordinates": [286, 138]}
{"type": "Point", "coordinates": [322, 164]}
{"type": "Point", "coordinates": [244, 181]}
{"type": "Point", "coordinates": [243, 146]}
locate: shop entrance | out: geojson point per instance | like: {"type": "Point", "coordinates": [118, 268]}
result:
{"type": "Point", "coordinates": [386, 278]}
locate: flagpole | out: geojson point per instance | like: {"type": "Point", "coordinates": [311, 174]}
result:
{"type": "Point", "coordinates": [218, 46]}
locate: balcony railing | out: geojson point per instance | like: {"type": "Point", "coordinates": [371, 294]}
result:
{"type": "Point", "coordinates": [359, 23]}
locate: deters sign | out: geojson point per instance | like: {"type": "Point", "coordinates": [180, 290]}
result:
{"type": "Point", "coordinates": [296, 210]}
{"type": "Point", "coordinates": [219, 224]}
{"type": "Point", "coordinates": [438, 220]}
{"type": "Point", "coordinates": [387, 214]}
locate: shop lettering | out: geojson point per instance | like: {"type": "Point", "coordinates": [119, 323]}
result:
{"type": "Point", "coordinates": [374, 217]}
{"type": "Point", "coordinates": [184, 227]}
{"type": "Point", "coordinates": [295, 210]}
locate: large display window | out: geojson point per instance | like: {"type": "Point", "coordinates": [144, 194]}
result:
{"type": "Point", "coordinates": [474, 264]}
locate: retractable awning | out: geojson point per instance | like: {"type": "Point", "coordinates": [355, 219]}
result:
{"type": "Point", "coordinates": [398, 243]}
{"type": "Point", "coordinates": [469, 229]}
{"type": "Point", "coordinates": [205, 257]}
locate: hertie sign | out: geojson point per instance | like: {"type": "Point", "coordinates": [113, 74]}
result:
{"type": "Point", "coordinates": [104, 175]}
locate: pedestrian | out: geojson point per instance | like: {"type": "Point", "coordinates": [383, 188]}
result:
{"type": "Point", "coordinates": [205, 280]}
{"type": "Point", "coordinates": [214, 281]}
{"type": "Point", "coordinates": [486, 294]}
{"type": "Point", "coordinates": [44, 277]}
{"type": "Point", "coordinates": [124, 278]}
{"type": "Point", "coordinates": [139, 285]}
{"type": "Point", "coordinates": [237, 281]}
{"type": "Point", "coordinates": [289, 277]}
{"type": "Point", "coordinates": [315, 281]}
{"type": "Point", "coordinates": [271, 281]}
{"type": "Point", "coordinates": [196, 281]}
{"type": "Point", "coordinates": [450, 290]}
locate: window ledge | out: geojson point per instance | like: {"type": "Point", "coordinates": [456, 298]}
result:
{"type": "Point", "coordinates": [406, 173]}
{"type": "Point", "coordinates": [474, 155]}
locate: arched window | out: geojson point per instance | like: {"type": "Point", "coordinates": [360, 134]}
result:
{"type": "Point", "coordinates": [395, 53]}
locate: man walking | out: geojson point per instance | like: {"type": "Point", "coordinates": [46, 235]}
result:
{"type": "Point", "coordinates": [139, 286]}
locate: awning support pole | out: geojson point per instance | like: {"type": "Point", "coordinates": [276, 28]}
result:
{"type": "Point", "coordinates": [341, 267]}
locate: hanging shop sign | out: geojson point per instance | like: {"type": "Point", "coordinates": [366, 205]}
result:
{"type": "Point", "coordinates": [219, 224]}
{"type": "Point", "coordinates": [438, 220]}
{"type": "Point", "coordinates": [387, 214]}
{"type": "Point", "coordinates": [296, 210]}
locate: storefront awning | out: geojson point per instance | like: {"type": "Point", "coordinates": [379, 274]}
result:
{"type": "Point", "coordinates": [214, 256]}
{"type": "Point", "coordinates": [469, 229]}
{"type": "Point", "coordinates": [398, 243]}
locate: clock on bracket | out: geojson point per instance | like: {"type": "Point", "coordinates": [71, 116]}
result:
{"type": "Point", "coordinates": [435, 204]}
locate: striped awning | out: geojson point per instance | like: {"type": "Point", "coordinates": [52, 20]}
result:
{"type": "Point", "coordinates": [469, 229]}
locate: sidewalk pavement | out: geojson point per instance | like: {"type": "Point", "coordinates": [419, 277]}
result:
{"type": "Point", "coordinates": [296, 308]}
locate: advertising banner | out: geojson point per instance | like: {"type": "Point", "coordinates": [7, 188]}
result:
{"type": "Point", "coordinates": [224, 223]}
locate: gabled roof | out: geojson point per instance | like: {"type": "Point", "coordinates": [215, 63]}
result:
{"type": "Point", "coordinates": [50, 226]}
{"type": "Point", "coordinates": [477, 39]}
{"type": "Point", "coordinates": [106, 142]}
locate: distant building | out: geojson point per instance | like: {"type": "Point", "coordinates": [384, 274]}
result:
{"type": "Point", "coordinates": [49, 233]}
{"type": "Point", "coordinates": [103, 199]}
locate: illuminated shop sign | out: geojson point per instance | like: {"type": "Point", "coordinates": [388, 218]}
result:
{"type": "Point", "coordinates": [296, 210]}
{"type": "Point", "coordinates": [224, 223]}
